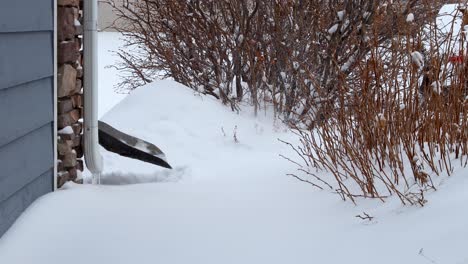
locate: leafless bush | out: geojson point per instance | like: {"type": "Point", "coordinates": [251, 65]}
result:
{"type": "Point", "coordinates": [366, 84]}
{"type": "Point", "coordinates": [404, 104]}
{"type": "Point", "coordinates": [294, 54]}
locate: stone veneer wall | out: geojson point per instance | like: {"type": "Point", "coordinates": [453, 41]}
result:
{"type": "Point", "coordinates": [69, 91]}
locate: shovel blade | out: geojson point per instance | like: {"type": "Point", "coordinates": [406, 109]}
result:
{"type": "Point", "coordinates": [129, 146]}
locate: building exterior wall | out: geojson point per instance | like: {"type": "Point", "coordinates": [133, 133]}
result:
{"type": "Point", "coordinates": [26, 105]}
{"type": "Point", "coordinates": [107, 16]}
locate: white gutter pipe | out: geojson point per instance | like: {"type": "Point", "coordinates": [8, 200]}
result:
{"type": "Point", "coordinates": [92, 156]}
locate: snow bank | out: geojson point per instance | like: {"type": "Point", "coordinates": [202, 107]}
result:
{"type": "Point", "coordinates": [225, 202]}
{"type": "Point", "coordinates": [188, 127]}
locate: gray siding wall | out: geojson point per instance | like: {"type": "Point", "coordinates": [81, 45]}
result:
{"type": "Point", "coordinates": [26, 105]}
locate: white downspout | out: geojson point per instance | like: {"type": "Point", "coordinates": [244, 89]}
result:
{"type": "Point", "coordinates": [92, 156]}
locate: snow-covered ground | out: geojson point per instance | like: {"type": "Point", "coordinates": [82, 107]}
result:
{"type": "Point", "coordinates": [227, 200]}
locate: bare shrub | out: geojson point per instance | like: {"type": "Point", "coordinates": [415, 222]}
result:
{"type": "Point", "coordinates": [294, 54]}
{"type": "Point", "coordinates": [405, 104]}
{"type": "Point", "coordinates": [366, 84]}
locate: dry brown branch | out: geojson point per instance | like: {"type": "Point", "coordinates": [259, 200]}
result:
{"type": "Point", "coordinates": [365, 216]}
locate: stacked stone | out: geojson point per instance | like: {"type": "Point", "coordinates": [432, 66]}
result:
{"type": "Point", "coordinates": [69, 91]}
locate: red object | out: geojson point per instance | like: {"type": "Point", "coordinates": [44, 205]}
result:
{"type": "Point", "coordinates": [456, 59]}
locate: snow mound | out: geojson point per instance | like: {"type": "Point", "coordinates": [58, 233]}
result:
{"type": "Point", "coordinates": [228, 200]}
{"type": "Point", "coordinates": [188, 127]}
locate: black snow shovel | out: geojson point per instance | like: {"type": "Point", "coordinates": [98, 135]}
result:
{"type": "Point", "coordinates": [125, 145]}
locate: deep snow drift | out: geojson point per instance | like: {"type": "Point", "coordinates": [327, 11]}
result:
{"type": "Point", "coordinates": [225, 201]}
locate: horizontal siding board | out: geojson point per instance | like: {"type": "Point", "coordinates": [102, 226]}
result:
{"type": "Point", "coordinates": [25, 57]}
{"type": "Point", "coordinates": [25, 108]}
{"type": "Point", "coordinates": [26, 15]}
{"type": "Point", "coordinates": [22, 160]}
{"type": "Point", "coordinates": [11, 208]}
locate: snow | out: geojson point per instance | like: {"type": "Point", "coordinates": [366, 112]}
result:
{"type": "Point", "coordinates": [417, 59]}
{"type": "Point", "coordinates": [449, 23]}
{"type": "Point", "coordinates": [66, 131]}
{"type": "Point", "coordinates": [348, 64]}
{"type": "Point", "coordinates": [240, 39]}
{"type": "Point", "coordinates": [436, 87]}
{"type": "Point", "coordinates": [296, 65]}
{"type": "Point", "coordinates": [61, 173]}
{"type": "Point", "coordinates": [410, 18]}
{"type": "Point", "coordinates": [108, 42]}
{"type": "Point", "coordinates": [449, 18]}
{"type": "Point", "coordinates": [333, 29]}
{"type": "Point", "coordinates": [366, 15]}
{"type": "Point", "coordinates": [227, 200]}
{"type": "Point", "coordinates": [341, 14]}
{"type": "Point", "coordinates": [283, 75]}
